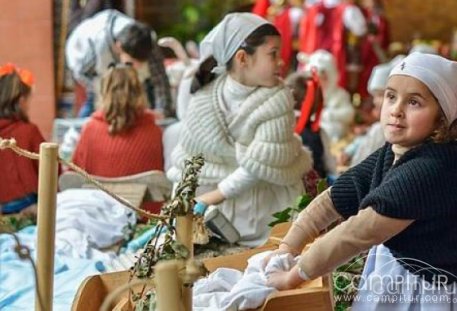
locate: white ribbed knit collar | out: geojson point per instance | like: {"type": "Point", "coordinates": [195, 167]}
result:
{"type": "Point", "coordinates": [399, 151]}
{"type": "Point", "coordinates": [234, 94]}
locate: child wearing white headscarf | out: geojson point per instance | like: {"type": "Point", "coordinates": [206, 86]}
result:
{"type": "Point", "coordinates": [240, 117]}
{"type": "Point", "coordinates": [338, 113]}
{"type": "Point", "coordinates": [399, 202]}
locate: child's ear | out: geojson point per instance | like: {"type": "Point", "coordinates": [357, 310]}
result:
{"type": "Point", "coordinates": [241, 57]}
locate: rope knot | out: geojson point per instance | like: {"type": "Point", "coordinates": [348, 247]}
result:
{"type": "Point", "coordinates": [7, 143]}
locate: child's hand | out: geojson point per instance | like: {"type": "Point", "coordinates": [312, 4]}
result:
{"type": "Point", "coordinates": [158, 114]}
{"type": "Point", "coordinates": [30, 211]}
{"type": "Point", "coordinates": [284, 280]}
{"type": "Point", "coordinates": [282, 249]}
{"type": "Point", "coordinates": [342, 159]}
{"type": "Point", "coordinates": [211, 198]}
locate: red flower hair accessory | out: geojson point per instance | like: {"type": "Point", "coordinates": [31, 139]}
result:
{"type": "Point", "coordinates": [25, 76]}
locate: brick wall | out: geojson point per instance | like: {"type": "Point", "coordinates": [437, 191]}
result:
{"type": "Point", "coordinates": [26, 39]}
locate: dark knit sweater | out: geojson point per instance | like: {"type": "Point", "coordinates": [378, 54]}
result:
{"type": "Point", "coordinates": [422, 186]}
{"type": "Point", "coordinates": [19, 175]}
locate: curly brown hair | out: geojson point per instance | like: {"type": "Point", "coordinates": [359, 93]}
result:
{"type": "Point", "coordinates": [122, 98]}
{"type": "Point", "coordinates": [12, 90]}
{"type": "Point", "coordinates": [445, 132]}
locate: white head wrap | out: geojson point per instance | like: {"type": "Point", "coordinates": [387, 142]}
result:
{"type": "Point", "coordinates": [438, 74]}
{"type": "Point", "coordinates": [323, 61]}
{"type": "Point", "coordinates": [380, 75]}
{"type": "Point", "coordinates": [226, 38]}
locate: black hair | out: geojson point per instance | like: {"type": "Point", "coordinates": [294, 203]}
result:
{"type": "Point", "coordinates": [136, 41]}
{"type": "Point", "coordinates": [204, 75]}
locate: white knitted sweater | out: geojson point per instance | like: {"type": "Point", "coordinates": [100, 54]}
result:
{"type": "Point", "coordinates": [265, 146]}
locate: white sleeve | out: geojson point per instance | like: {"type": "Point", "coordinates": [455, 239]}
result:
{"type": "Point", "coordinates": [354, 20]}
{"type": "Point", "coordinates": [184, 95]}
{"type": "Point", "coordinates": [237, 182]}
{"type": "Point", "coordinates": [80, 53]}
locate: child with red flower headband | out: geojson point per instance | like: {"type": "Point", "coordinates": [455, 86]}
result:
{"type": "Point", "coordinates": [19, 182]}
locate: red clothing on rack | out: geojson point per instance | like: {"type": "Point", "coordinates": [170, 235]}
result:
{"type": "Point", "coordinates": [368, 54]}
{"type": "Point", "coordinates": [329, 36]}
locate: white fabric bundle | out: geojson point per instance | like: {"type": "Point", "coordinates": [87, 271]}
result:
{"type": "Point", "coordinates": [229, 289]}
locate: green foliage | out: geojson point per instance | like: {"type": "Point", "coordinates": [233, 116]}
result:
{"type": "Point", "coordinates": [345, 282]}
{"type": "Point", "coordinates": [300, 203]}
{"type": "Point", "coordinates": [198, 17]}
{"type": "Point", "coordinates": [15, 223]}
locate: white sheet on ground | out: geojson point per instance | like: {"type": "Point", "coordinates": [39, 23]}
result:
{"type": "Point", "coordinates": [86, 220]}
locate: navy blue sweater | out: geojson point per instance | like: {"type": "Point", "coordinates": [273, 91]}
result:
{"type": "Point", "coordinates": [422, 185]}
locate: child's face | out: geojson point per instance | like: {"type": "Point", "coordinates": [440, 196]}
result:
{"type": "Point", "coordinates": [409, 112]}
{"type": "Point", "coordinates": [263, 67]}
{"type": "Point", "coordinates": [24, 104]}
{"type": "Point", "coordinates": [125, 58]}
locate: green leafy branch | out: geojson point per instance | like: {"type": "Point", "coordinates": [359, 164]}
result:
{"type": "Point", "coordinates": [300, 204]}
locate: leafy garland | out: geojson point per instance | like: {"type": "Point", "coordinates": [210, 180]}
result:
{"type": "Point", "coordinates": [16, 222]}
{"type": "Point", "coordinates": [180, 205]}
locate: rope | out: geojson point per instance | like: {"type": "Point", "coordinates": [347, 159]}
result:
{"type": "Point", "coordinates": [11, 144]}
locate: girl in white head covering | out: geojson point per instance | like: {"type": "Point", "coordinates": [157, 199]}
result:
{"type": "Point", "coordinates": [338, 112]}
{"type": "Point", "coordinates": [400, 201]}
{"type": "Point", "coordinates": [240, 117]}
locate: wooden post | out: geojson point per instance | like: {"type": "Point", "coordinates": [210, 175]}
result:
{"type": "Point", "coordinates": [184, 234]}
{"type": "Point", "coordinates": [61, 48]}
{"type": "Point", "coordinates": [47, 196]}
{"type": "Point", "coordinates": [168, 286]}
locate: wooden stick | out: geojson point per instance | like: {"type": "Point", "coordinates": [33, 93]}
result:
{"type": "Point", "coordinates": [168, 286]}
{"type": "Point", "coordinates": [47, 196]}
{"type": "Point", "coordinates": [184, 234]}
{"type": "Point", "coordinates": [61, 48]}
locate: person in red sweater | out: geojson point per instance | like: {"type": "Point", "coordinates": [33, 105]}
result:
{"type": "Point", "coordinates": [19, 175]}
{"type": "Point", "coordinates": [121, 138]}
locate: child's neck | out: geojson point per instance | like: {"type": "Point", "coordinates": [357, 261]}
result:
{"type": "Point", "coordinates": [236, 91]}
{"type": "Point", "coordinates": [240, 78]}
{"type": "Point", "coordinates": [399, 151]}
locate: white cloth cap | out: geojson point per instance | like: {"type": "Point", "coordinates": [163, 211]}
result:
{"type": "Point", "coordinates": [380, 75]}
{"type": "Point", "coordinates": [323, 61]}
{"type": "Point", "coordinates": [226, 38]}
{"type": "Point", "coordinates": [438, 74]}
